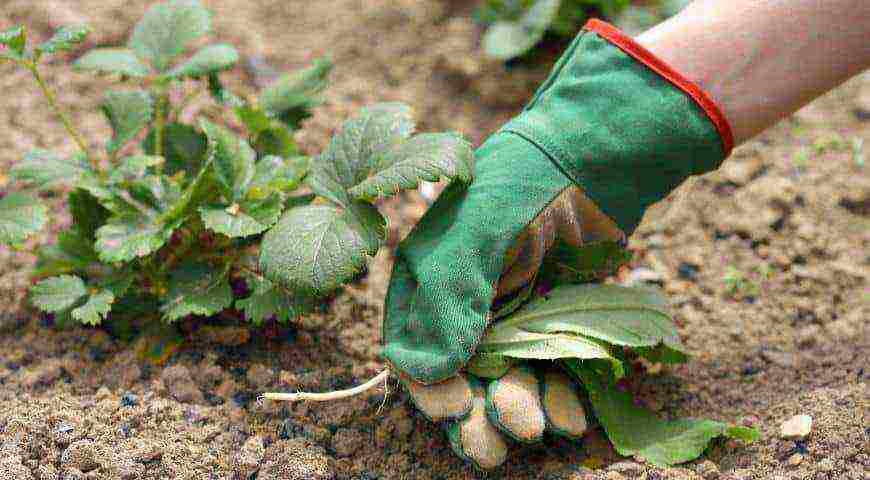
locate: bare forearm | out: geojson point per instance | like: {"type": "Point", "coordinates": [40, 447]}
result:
{"type": "Point", "coordinates": [761, 60]}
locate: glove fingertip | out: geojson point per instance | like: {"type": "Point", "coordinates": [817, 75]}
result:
{"type": "Point", "coordinates": [563, 407]}
{"type": "Point", "coordinates": [476, 440]}
{"type": "Point", "coordinates": [447, 400]}
{"type": "Point", "coordinates": [513, 404]}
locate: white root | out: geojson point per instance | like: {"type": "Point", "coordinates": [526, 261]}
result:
{"type": "Point", "coordinates": [329, 396]}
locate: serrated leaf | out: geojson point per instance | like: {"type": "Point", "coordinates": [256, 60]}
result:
{"type": "Point", "coordinates": [95, 310]}
{"type": "Point", "coordinates": [276, 140]}
{"type": "Point", "coordinates": [267, 301]}
{"type": "Point", "coordinates": [209, 60]}
{"type": "Point", "coordinates": [509, 39]}
{"type": "Point", "coordinates": [243, 219]}
{"type": "Point", "coordinates": [73, 252]}
{"type": "Point", "coordinates": [428, 156]}
{"type": "Point", "coordinates": [291, 97]}
{"type": "Point", "coordinates": [275, 174]}
{"type": "Point", "coordinates": [42, 169]}
{"type": "Point", "coordinates": [196, 289]}
{"type": "Point", "coordinates": [167, 28]}
{"type": "Point", "coordinates": [56, 294]}
{"type": "Point", "coordinates": [635, 431]}
{"type": "Point", "coordinates": [133, 168]}
{"type": "Point", "coordinates": [87, 213]}
{"type": "Point", "coordinates": [117, 61]}
{"type": "Point", "coordinates": [127, 237]}
{"type": "Point", "coordinates": [14, 39]}
{"type": "Point", "coordinates": [128, 113]}
{"type": "Point", "coordinates": [184, 148]}
{"type": "Point", "coordinates": [316, 248]}
{"type": "Point", "coordinates": [633, 317]}
{"type": "Point", "coordinates": [353, 153]}
{"type": "Point", "coordinates": [233, 160]}
{"type": "Point", "coordinates": [64, 39]}
{"type": "Point", "coordinates": [20, 217]}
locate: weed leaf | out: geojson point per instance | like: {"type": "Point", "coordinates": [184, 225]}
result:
{"type": "Point", "coordinates": [64, 39]}
{"type": "Point", "coordinates": [196, 289]}
{"type": "Point", "coordinates": [209, 60]}
{"type": "Point", "coordinates": [428, 156]}
{"type": "Point", "coordinates": [57, 294]}
{"type": "Point", "coordinates": [509, 39]}
{"type": "Point", "coordinates": [353, 154]}
{"type": "Point", "coordinates": [128, 113]}
{"type": "Point", "coordinates": [292, 96]}
{"type": "Point", "coordinates": [316, 248]}
{"type": "Point", "coordinates": [233, 160]}
{"type": "Point", "coordinates": [249, 217]}
{"type": "Point", "coordinates": [635, 431]}
{"type": "Point", "coordinates": [117, 61]}
{"type": "Point", "coordinates": [167, 28]}
{"type": "Point", "coordinates": [20, 217]}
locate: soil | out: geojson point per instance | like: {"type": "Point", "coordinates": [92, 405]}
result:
{"type": "Point", "coordinates": [766, 263]}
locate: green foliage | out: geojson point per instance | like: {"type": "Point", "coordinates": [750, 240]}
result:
{"type": "Point", "coordinates": [198, 218]}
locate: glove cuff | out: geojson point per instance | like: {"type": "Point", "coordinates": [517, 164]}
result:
{"type": "Point", "coordinates": [656, 64]}
{"type": "Point", "coordinates": [622, 124]}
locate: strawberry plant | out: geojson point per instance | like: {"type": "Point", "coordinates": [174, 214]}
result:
{"type": "Point", "coordinates": [219, 213]}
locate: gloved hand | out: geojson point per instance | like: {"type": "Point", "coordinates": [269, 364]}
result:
{"type": "Point", "coordinates": [611, 131]}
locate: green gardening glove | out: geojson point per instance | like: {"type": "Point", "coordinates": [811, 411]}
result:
{"type": "Point", "coordinates": [613, 128]}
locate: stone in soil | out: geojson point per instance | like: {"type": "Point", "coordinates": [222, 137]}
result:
{"type": "Point", "coordinates": [80, 455]}
{"type": "Point", "coordinates": [180, 385]}
{"type": "Point", "coordinates": [247, 460]}
{"type": "Point", "coordinates": [796, 427]}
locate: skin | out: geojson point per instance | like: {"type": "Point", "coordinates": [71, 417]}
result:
{"type": "Point", "coordinates": [761, 60]}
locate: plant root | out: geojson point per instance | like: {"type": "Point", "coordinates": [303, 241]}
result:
{"type": "Point", "coordinates": [328, 396]}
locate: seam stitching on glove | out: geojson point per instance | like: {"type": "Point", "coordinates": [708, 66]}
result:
{"type": "Point", "coordinates": [654, 63]}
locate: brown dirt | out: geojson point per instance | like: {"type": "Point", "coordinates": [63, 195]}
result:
{"type": "Point", "coordinates": [765, 261]}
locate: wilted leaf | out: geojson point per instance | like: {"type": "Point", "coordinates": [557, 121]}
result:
{"type": "Point", "coordinates": [233, 160]}
{"type": "Point", "coordinates": [509, 39]}
{"type": "Point", "coordinates": [184, 148]}
{"type": "Point", "coordinates": [291, 97]}
{"type": "Point", "coordinates": [167, 28]}
{"type": "Point", "coordinates": [119, 61]}
{"type": "Point", "coordinates": [196, 289]}
{"type": "Point", "coordinates": [56, 294]}
{"type": "Point", "coordinates": [64, 39]}
{"type": "Point", "coordinates": [275, 174]}
{"type": "Point", "coordinates": [42, 169]}
{"type": "Point", "coordinates": [20, 217]}
{"type": "Point", "coordinates": [128, 114]}
{"type": "Point", "coordinates": [428, 156]}
{"type": "Point", "coordinates": [316, 248]}
{"type": "Point", "coordinates": [94, 311]}
{"type": "Point", "coordinates": [14, 39]}
{"type": "Point", "coordinates": [249, 217]}
{"type": "Point", "coordinates": [352, 154]}
{"type": "Point", "coordinates": [635, 431]}
{"type": "Point", "coordinates": [211, 59]}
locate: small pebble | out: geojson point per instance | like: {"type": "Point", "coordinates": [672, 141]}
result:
{"type": "Point", "coordinates": [795, 459]}
{"type": "Point", "coordinates": [129, 400]}
{"type": "Point", "coordinates": [80, 455]}
{"type": "Point", "coordinates": [796, 427]}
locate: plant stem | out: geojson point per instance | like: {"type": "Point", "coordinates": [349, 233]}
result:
{"type": "Point", "coordinates": [160, 118]}
{"type": "Point", "coordinates": [64, 118]}
{"type": "Point", "coordinates": [328, 396]}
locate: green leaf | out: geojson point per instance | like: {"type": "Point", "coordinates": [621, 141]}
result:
{"type": "Point", "coordinates": [127, 237]}
{"type": "Point", "coordinates": [221, 94]}
{"type": "Point", "coordinates": [635, 431]}
{"type": "Point", "coordinates": [633, 317]}
{"type": "Point", "coordinates": [42, 169]}
{"type": "Point", "coordinates": [316, 248]}
{"type": "Point", "coordinates": [209, 60]}
{"type": "Point", "coordinates": [95, 310]}
{"type": "Point", "coordinates": [118, 61]}
{"type": "Point", "coordinates": [504, 40]}
{"type": "Point", "coordinates": [128, 114]}
{"type": "Point", "coordinates": [268, 300]}
{"type": "Point", "coordinates": [489, 365]}
{"type": "Point", "coordinates": [20, 217]}
{"type": "Point", "coordinates": [56, 294]}
{"type": "Point", "coordinates": [429, 156]}
{"type": "Point", "coordinates": [167, 28]}
{"type": "Point", "coordinates": [14, 39]}
{"type": "Point", "coordinates": [275, 140]}
{"type": "Point", "coordinates": [275, 174]}
{"type": "Point", "coordinates": [233, 160]}
{"type": "Point", "coordinates": [87, 213]}
{"type": "Point", "coordinates": [243, 219]}
{"type": "Point", "coordinates": [184, 148]}
{"type": "Point", "coordinates": [593, 261]}
{"type": "Point", "coordinates": [133, 168]}
{"type": "Point", "coordinates": [72, 253]}
{"type": "Point", "coordinates": [64, 39]}
{"type": "Point", "coordinates": [291, 97]}
{"type": "Point", "coordinates": [353, 154]}
{"type": "Point", "coordinates": [254, 119]}
{"type": "Point", "coordinates": [196, 289]}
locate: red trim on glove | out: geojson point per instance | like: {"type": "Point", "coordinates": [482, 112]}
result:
{"type": "Point", "coordinates": [641, 54]}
